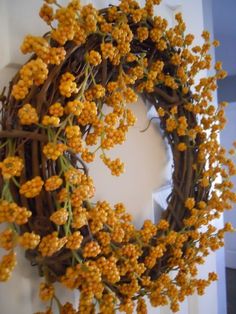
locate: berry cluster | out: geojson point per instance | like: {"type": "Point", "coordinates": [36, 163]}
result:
{"type": "Point", "coordinates": [28, 115]}
{"type": "Point", "coordinates": [12, 213]}
{"type": "Point", "coordinates": [67, 85]}
{"type": "Point", "coordinates": [33, 72]}
{"type": "Point", "coordinates": [11, 167]}
{"type": "Point", "coordinates": [32, 187]}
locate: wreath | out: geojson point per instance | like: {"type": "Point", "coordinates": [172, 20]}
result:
{"type": "Point", "coordinates": [53, 125]}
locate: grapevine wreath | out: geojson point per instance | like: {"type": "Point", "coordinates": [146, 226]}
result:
{"type": "Point", "coordinates": [53, 124]}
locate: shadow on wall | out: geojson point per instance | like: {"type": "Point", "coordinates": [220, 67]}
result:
{"type": "Point", "coordinates": [144, 155]}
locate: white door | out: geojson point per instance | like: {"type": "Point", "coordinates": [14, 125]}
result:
{"type": "Point", "coordinates": [18, 18]}
{"type": "Point", "coordinates": [227, 138]}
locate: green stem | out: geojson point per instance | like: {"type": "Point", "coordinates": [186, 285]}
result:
{"type": "Point", "coordinates": [51, 304]}
{"type": "Point", "coordinates": [4, 144]}
{"type": "Point", "coordinates": [67, 225]}
{"type": "Point", "coordinates": [63, 163]}
{"type": "Point", "coordinates": [50, 134]}
{"type": "Point", "coordinates": [16, 182]}
{"type": "Point", "coordinates": [13, 227]}
{"type": "Point", "coordinates": [57, 4]}
{"type": "Point", "coordinates": [83, 86]}
{"type": "Point", "coordinates": [59, 305]}
{"type": "Point", "coordinates": [62, 127]}
{"type": "Point", "coordinates": [11, 147]}
{"type": "Point", "coordinates": [6, 194]}
{"type": "Point", "coordinates": [97, 149]}
{"type": "Point", "coordinates": [91, 73]}
{"type": "Point", "coordinates": [77, 257]}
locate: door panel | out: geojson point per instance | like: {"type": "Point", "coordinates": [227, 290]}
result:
{"type": "Point", "coordinates": [227, 137]}
{"type": "Point", "coordinates": [23, 13]}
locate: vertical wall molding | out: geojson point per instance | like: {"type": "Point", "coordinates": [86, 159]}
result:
{"type": "Point", "coordinates": [174, 4]}
{"type": "Point", "coordinates": [4, 35]}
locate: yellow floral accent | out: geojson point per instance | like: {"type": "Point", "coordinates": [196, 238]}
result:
{"type": "Point", "coordinates": [11, 167]}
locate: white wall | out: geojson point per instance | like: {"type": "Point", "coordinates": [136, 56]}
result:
{"type": "Point", "coordinates": [144, 157]}
{"type": "Point", "coordinates": [4, 35]}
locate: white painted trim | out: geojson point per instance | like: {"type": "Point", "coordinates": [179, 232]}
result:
{"type": "Point", "coordinates": [4, 34]}
{"type": "Point", "coordinates": [231, 107]}
{"type": "Point", "coordinates": [230, 258]}
{"type": "Point", "coordinates": [12, 65]}
{"type": "Point", "coordinates": [174, 4]}
{"type": "Point", "coordinates": [174, 7]}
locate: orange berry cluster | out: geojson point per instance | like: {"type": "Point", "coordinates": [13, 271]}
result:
{"type": "Point", "coordinates": [33, 72]}
{"type": "Point", "coordinates": [53, 183]}
{"type": "Point", "coordinates": [53, 151]}
{"type": "Point", "coordinates": [94, 58]}
{"type": "Point", "coordinates": [91, 249]}
{"type": "Point", "coordinates": [7, 264]}
{"type": "Point", "coordinates": [59, 217]}
{"type": "Point", "coordinates": [116, 166]}
{"type": "Point", "coordinates": [87, 156]}
{"type": "Point", "coordinates": [7, 239]}
{"type": "Point", "coordinates": [73, 176]}
{"type": "Point", "coordinates": [74, 241]}
{"type": "Point", "coordinates": [67, 85]}
{"type": "Point", "coordinates": [46, 291]}
{"type": "Point", "coordinates": [28, 115]}
{"type": "Point", "coordinates": [95, 92]}
{"type": "Point", "coordinates": [88, 114]}
{"type": "Point", "coordinates": [39, 45]}
{"type": "Point", "coordinates": [50, 121]}
{"type": "Point", "coordinates": [79, 217]}
{"type": "Point", "coordinates": [46, 12]}
{"type": "Point", "coordinates": [29, 240]}
{"type": "Point", "coordinates": [51, 244]}
{"type": "Point", "coordinates": [32, 187]}
{"type": "Point", "coordinates": [11, 167]}
{"type": "Point", "coordinates": [75, 107]}
{"type": "Point", "coordinates": [56, 110]}
{"type": "Point", "coordinates": [12, 213]}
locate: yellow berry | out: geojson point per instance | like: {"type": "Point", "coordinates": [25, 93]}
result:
{"type": "Point", "coordinates": [29, 240]}
{"type": "Point", "coordinates": [53, 183]}
{"type": "Point", "coordinates": [11, 167]}
{"type": "Point", "coordinates": [7, 264]}
{"type": "Point", "coordinates": [59, 217]}
{"type": "Point", "coordinates": [181, 147]}
{"type": "Point", "coordinates": [46, 291]}
{"type": "Point", "coordinates": [74, 241]}
{"type": "Point", "coordinates": [50, 121]}
{"type": "Point", "coordinates": [53, 151]}
{"type": "Point", "coordinates": [51, 244]}
{"type": "Point", "coordinates": [91, 249]}
{"type": "Point", "coordinates": [28, 115]}
{"type": "Point", "coordinates": [56, 110]}
{"type": "Point", "coordinates": [94, 58]}
{"type": "Point", "coordinates": [32, 187]}
{"type": "Point", "coordinates": [7, 239]}
{"type": "Point", "coordinates": [67, 85]}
